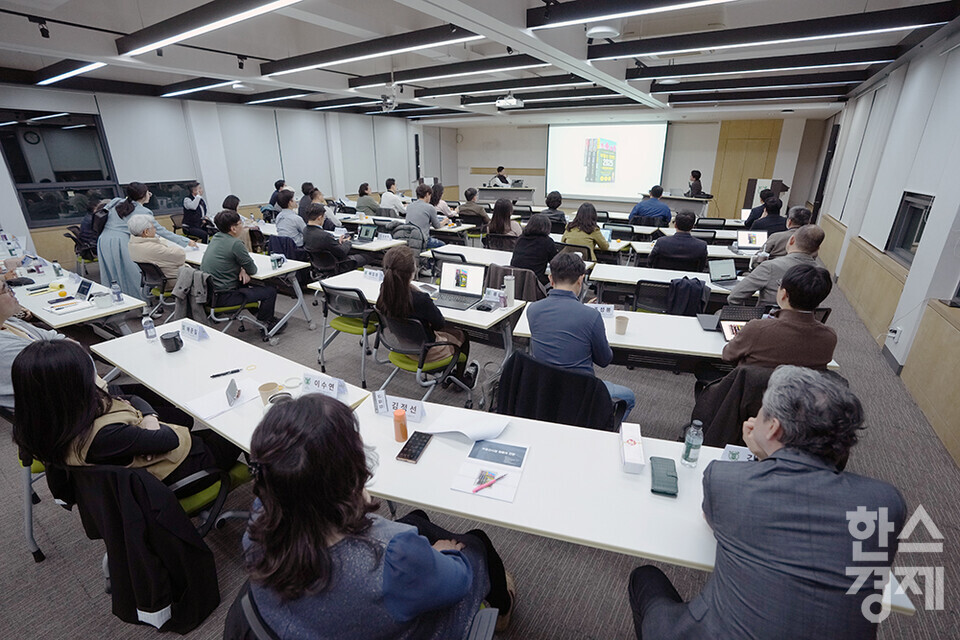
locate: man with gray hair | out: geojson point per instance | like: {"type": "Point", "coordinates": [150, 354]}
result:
{"type": "Point", "coordinates": [793, 530]}
{"type": "Point", "coordinates": [776, 244]}
{"type": "Point", "coordinates": [146, 246]}
{"type": "Point", "coordinates": [766, 277]}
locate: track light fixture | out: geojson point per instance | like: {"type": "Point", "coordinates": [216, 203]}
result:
{"type": "Point", "coordinates": [240, 60]}
{"type": "Point", "coordinates": [40, 22]}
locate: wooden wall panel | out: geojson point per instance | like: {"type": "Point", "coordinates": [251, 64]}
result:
{"type": "Point", "coordinates": [834, 232]}
{"type": "Point", "coordinates": [932, 372]}
{"type": "Point", "coordinates": [747, 149]}
{"type": "Point", "coordinates": [873, 283]}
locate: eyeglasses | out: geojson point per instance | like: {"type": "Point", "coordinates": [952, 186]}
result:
{"type": "Point", "coordinates": [780, 282]}
{"type": "Point", "coordinates": [5, 289]}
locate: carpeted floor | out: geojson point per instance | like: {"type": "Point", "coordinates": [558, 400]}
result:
{"type": "Point", "coordinates": [564, 590]}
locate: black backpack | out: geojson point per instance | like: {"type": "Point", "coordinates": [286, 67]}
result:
{"type": "Point", "coordinates": [100, 215]}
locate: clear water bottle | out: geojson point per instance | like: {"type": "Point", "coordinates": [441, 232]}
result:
{"type": "Point", "coordinates": [57, 269]}
{"type": "Point", "coordinates": [149, 329]}
{"type": "Point", "coordinates": [117, 293]}
{"type": "Point", "coordinates": [691, 444]}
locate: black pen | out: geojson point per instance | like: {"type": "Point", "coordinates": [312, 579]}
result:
{"type": "Point", "coordinates": [225, 373]}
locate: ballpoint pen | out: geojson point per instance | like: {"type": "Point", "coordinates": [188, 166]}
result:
{"type": "Point", "coordinates": [225, 373]}
{"type": "Point", "coordinates": [489, 484]}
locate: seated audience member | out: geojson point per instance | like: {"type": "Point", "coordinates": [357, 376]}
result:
{"type": "Point", "coordinates": [400, 299]}
{"type": "Point", "coordinates": [776, 244]}
{"type": "Point", "coordinates": [316, 239]}
{"type": "Point", "coordinates": [231, 203]}
{"type": "Point", "coordinates": [681, 247]}
{"type": "Point", "coordinates": [277, 187]}
{"type": "Point", "coordinates": [94, 204]}
{"type": "Point", "coordinates": [757, 211]}
{"type": "Point", "coordinates": [553, 202]}
{"type": "Point", "coordinates": [366, 203]}
{"type": "Point", "coordinates": [793, 335]}
{"type": "Point", "coordinates": [305, 200]}
{"type": "Point", "coordinates": [783, 528]}
{"type": "Point", "coordinates": [501, 222]}
{"type": "Point", "coordinates": [147, 246]}
{"type": "Point", "coordinates": [288, 221]}
{"type": "Point", "coordinates": [91, 427]}
{"type": "Point", "coordinates": [422, 214]}
{"type": "Point", "coordinates": [651, 208]}
{"type": "Point", "coordinates": [436, 199]}
{"type": "Point", "coordinates": [323, 565]}
{"type": "Point", "coordinates": [231, 266]}
{"type": "Point", "coordinates": [584, 231]}
{"type": "Point", "coordinates": [566, 333]}
{"type": "Point", "coordinates": [390, 199]}
{"type": "Point", "coordinates": [770, 221]}
{"type": "Point", "coordinates": [535, 248]}
{"type": "Point", "coordinates": [330, 219]}
{"type": "Point", "coordinates": [800, 249]}
{"type": "Point", "coordinates": [195, 222]}
{"type": "Point", "coordinates": [471, 206]}
{"type": "Point", "coordinates": [696, 189]}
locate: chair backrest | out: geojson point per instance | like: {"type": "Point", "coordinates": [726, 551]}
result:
{"type": "Point", "coordinates": [284, 245]}
{"type": "Point", "coordinates": [488, 207]}
{"type": "Point", "coordinates": [402, 335]}
{"type": "Point", "coordinates": [177, 220]}
{"type": "Point", "coordinates": [703, 234]}
{"type": "Point", "coordinates": [583, 252]}
{"type": "Point", "coordinates": [346, 302]}
{"type": "Point", "coordinates": [603, 216]}
{"type": "Point", "coordinates": [74, 229]}
{"type": "Point", "coordinates": [388, 212]}
{"type": "Point", "coordinates": [527, 287]}
{"type": "Point", "coordinates": [619, 231]}
{"type": "Point", "coordinates": [661, 261]}
{"type": "Point", "coordinates": [532, 389]}
{"type": "Point", "coordinates": [687, 296]}
{"type": "Point", "coordinates": [653, 221]}
{"type": "Point", "coordinates": [151, 276]}
{"type": "Point", "coordinates": [323, 263]}
{"type": "Point", "coordinates": [710, 223]}
{"type": "Point", "coordinates": [724, 404]}
{"type": "Point", "coordinates": [412, 235]}
{"type": "Point", "coordinates": [499, 241]}
{"type": "Point", "coordinates": [649, 295]}
{"type": "Point", "coordinates": [85, 251]}
{"type": "Point", "coordinates": [448, 256]}
{"type": "Point", "coordinates": [525, 211]}
{"type": "Point", "coordinates": [472, 218]}
{"type": "Point", "coordinates": [557, 227]}
{"type": "Point", "coordinates": [822, 313]}
{"type": "Point", "coordinates": [453, 204]}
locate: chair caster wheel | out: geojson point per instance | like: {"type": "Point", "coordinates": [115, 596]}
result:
{"type": "Point", "coordinates": [38, 556]}
{"type": "Point", "coordinates": [220, 522]}
{"type": "Point", "coordinates": [274, 341]}
{"type": "Point", "coordinates": [242, 329]}
{"type": "Point", "coordinates": [468, 404]}
{"type": "Point", "coordinates": [312, 326]}
{"type": "Point", "coordinates": [35, 499]}
{"type": "Point", "coordinates": [316, 303]}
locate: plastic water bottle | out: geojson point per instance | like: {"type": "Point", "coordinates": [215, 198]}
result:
{"type": "Point", "coordinates": [691, 444]}
{"type": "Point", "coordinates": [57, 269]}
{"type": "Point", "coordinates": [117, 293]}
{"type": "Point", "coordinates": [149, 329]}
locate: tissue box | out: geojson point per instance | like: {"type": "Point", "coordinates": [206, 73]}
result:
{"type": "Point", "coordinates": [631, 448]}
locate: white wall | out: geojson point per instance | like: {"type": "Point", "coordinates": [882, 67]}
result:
{"type": "Point", "coordinates": [690, 146]}
{"type": "Point", "coordinates": [449, 160]}
{"type": "Point", "coordinates": [788, 153]}
{"type": "Point", "coordinates": [203, 128]}
{"type": "Point", "coordinates": [304, 152]}
{"type": "Point", "coordinates": [430, 152]}
{"type": "Point", "coordinates": [392, 153]}
{"type": "Point", "coordinates": [252, 151]}
{"type": "Point", "coordinates": [357, 152]}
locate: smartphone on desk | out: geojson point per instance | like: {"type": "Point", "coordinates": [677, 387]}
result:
{"type": "Point", "coordinates": [414, 447]}
{"type": "Point", "coordinates": [663, 472]}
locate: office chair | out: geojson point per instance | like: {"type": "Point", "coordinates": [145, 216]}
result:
{"type": "Point", "coordinates": [232, 313]}
{"type": "Point", "coordinates": [440, 256]}
{"type": "Point", "coordinates": [525, 211]}
{"type": "Point", "coordinates": [85, 253]}
{"type": "Point", "coordinates": [707, 236]}
{"type": "Point", "coordinates": [650, 296]}
{"type": "Point", "coordinates": [477, 220]}
{"type": "Point", "coordinates": [154, 285]}
{"type": "Point", "coordinates": [176, 219]}
{"type": "Point", "coordinates": [453, 204]}
{"type": "Point", "coordinates": [603, 216]}
{"type": "Point", "coordinates": [353, 315]}
{"type": "Point", "coordinates": [653, 221]}
{"type": "Point", "coordinates": [557, 227]}
{"type": "Point", "coordinates": [710, 223]}
{"type": "Point", "coordinates": [407, 343]}
{"type": "Point", "coordinates": [619, 231]}
{"type": "Point", "coordinates": [822, 313]}
{"type": "Point", "coordinates": [499, 242]}
{"type": "Point", "coordinates": [582, 251]}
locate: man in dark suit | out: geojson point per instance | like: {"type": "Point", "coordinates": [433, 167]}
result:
{"type": "Point", "coordinates": [791, 528]}
{"type": "Point", "coordinates": [317, 240]}
{"type": "Point", "coordinates": [757, 211]}
{"type": "Point", "coordinates": [771, 221]}
{"type": "Point", "coordinates": [681, 250]}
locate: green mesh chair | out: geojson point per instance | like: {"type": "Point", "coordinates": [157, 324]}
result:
{"type": "Point", "coordinates": [154, 286]}
{"type": "Point", "coordinates": [352, 314]}
{"type": "Point", "coordinates": [408, 344]}
{"type": "Point", "coordinates": [232, 313]}
{"type": "Point", "coordinates": [207, 503]}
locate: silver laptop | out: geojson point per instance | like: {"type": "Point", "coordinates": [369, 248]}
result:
{"type": "Point", "coordinates": [516, 184]}
{"type": "Point", "coordinates": [723, 272]}
{"type": "Point", "coordinates": [751, 240]}
{"type": "Point", "coordinates": [461, 285]}
{"type": "Point", "coordinates": [366, 233]}
{"type": "Point", "coordinates": [607, 234]}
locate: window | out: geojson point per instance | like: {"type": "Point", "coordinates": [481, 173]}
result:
{"type": "Point", "coordinates": [908, 227]}
{"type": "Point", "coordinates": [168, 197]}
{"type": "Point", "coordinates": [58, 162]}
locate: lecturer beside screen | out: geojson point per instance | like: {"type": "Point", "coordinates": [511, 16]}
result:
{"type": "Point", "coordinates": [500, 179]}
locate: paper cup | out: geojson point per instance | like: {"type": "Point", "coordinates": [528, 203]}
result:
{"type": "Point", "coordinates": [622, 324]}
{"type": "Point", "coordinates": [266, 390]}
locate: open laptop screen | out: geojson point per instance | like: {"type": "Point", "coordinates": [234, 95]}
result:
{"type": "Point", "coordinates": [607, 234]}
{"type": "Point", "coordinates": [722, 270]}
{"type": "Point", "coordinates": [745, 213]}
{"type": "Point", "coordinates": [751, 239]}
{"type": "Point", "coordinates": [368, 232]}
{"type": "Point", "coordinates": [462, 278]}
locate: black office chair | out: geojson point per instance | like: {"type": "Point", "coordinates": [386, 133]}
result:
{"type": "Point", "coordinates": [557, 227]}
{"type": "Point", "coordinates": [603, 216]}
{"type": "Point", "coordinates": [499, 241]}
{"type": "Point", "coordinates": [582, 251]}
{"type": "Point", "coordinates": [86, 253]}
{"type": "Point", "coordinates": [477, 221]}
{"type": "Point", "coordinates": [154, 285]}
{"type": "Point", "coordinates": [488, 207]}
{"type": "Point", "coordinates": [619, 231]}
{"type": "Point", "coordinates": [710, 223]}
{"type": "Point", "coordinates": [650, 296]}
{"type": "Point", "coordinates": [453, 204]}
{"type": "Point", "coordinates": [525, 211]}
{"type": "Point", "coordinates": [440, 256]}
{"type": "Point", "coordinates": [660, 261]}
{"type": "Point", "coordinates": [707, 236]}
{"type": "Point", "coordinates": [822, 313]}
{"type": "Point", "coordinates": [653, 221]}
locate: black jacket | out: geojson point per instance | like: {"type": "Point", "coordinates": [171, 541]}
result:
{"type": "Point", "coordinates": [316, 240]}
{"type": "Point", "coordinates": [770, 224]}
{"type": "Point", "coordinates": [681, 251]}
{"type": "Point", "coordinates": [534, 253]}
{"type": "Point", "coordinates": [724, 405]}
{"type": "Point", "coordinates": [755, 214]}
{"type": "Point", "coordinates": [155, 556]}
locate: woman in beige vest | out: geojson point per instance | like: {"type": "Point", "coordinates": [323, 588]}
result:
{"type": "Point", "coordinates": [63, 418]}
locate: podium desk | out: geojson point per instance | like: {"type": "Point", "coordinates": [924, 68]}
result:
{"type": "Point", "coordinates": [514, 194]}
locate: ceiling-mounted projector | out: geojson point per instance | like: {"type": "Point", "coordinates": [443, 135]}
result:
{"type": "Point", "coordinates": [388, 103]}
{"type": "Point", "coordinates": [510, 102]}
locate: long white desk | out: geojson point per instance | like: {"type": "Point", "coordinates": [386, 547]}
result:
{"type": "Point", "coordinates": [183, 376]}
{"type": "Point", "coordinates": [480, 255]}
{"type": "Point", "coordinates": [713, 251]}
{"type": "Point", "coordinates": [646, 230]}
{"type": "Point", "coordinates": [265, 271]}
{"type": "Point", "coordinates": [469, 319]}
{"type": "Point", "coordinates": [615, 245]}
{"type": "Point", "coordinates": [620, 274]}
{"type": "Point", "coordinates": [378, 245]}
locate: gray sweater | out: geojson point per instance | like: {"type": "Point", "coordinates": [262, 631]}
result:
{"type": "Point", "coordinates": [10, 347]}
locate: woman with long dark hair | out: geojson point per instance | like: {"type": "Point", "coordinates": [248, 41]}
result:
{"type": "Point", "coordinates": [323, 566]}
{"type": "Point", "coordinates": [399, 299]}
{"type": "Point", "coordinates": [584, 231]}
{"type": "Point", "coordinates": [65, 419]}
{"type": "Point", "coordinates": [500, 222]}
{"type": "Point", "coordinates": [436, 199]}
{"type": "Point", "coordinates": [112, 253]}
{"type": "Point", "coordinates": [535, 248]}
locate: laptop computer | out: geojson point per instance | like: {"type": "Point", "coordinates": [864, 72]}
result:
{"type": "Point", "coordinates": [723, 272]}
{"type": "Point", "coordinates": [607, 234]}
{"type": "Point", "coordinates": [366, 233]}
{"type": "Point", "coordinates": [516, 184]}
{"type": "Point", "coordinates": [732, 316]}
{"type": "Point", "coordinates": [83, 291]}
{"type": "Point", "coordinates": [751, 240]}
{"type": "Point", "coordinates": [745, 213]}
{"type": "Point", "coordinates": [461, 285]}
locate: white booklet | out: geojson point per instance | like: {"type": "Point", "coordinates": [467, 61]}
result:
{"type": "Point", "coordinates": [492, 470]}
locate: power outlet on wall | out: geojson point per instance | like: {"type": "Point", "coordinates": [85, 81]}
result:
{"type": "Point", "coordinates": [894, 332]}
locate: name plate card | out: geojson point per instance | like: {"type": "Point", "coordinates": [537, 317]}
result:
{"type": "Point", "coordinates": [606, 310]}
{"type": "Point", "coordinates": [373, 274]}
{"type": "Point", "coordinates": [193, 330]}
{"type": "Point", "coordinates": [386, 405]}
{"type": "Point", "coordinates": [385, 237]}
{"type": "Point", "coordinates": [322, 383]}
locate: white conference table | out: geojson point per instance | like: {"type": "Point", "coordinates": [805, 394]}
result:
{"type": "Point", "coordinates": [469, 318]}
{"type": "Point", "coordinates": [183, 376]}
{"type": "Point", "coordinates": [718, 251]}
{"type": "Point", "coordinates": [627, 275]}
{"type": "Point", "coordinates": [615, 246]}
{"type": "Point", "coordinates": [568, 470]}
{"type": "Point", "coordinates": [38, 305]}
{"type": "Point", "coordinates": [481, 255]}
{"type": "Point", "coordinates": [639, 229]}
{"type": "Point", "coordinates": [265, 271]}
